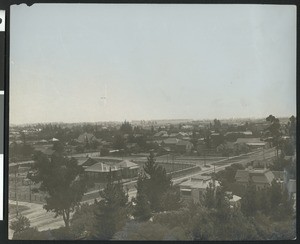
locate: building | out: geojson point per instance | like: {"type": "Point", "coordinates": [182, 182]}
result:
{"type": "Point", "coordinates": [184, 146]}
{"type": "Point", "coordinates": [195, 188]}
{"type": "Point", "coordinates": [86, 138]}
{"type": "Point", "coordinates": [261, 178]}
{"type": "Point", "coordinates": [252, 143]}
{"type": "Point", "coordinates": [128, 169]}
{"type": "Point", "coordinates": [178, 145]}
{"type": "Point", "coordinates": [99, 172]}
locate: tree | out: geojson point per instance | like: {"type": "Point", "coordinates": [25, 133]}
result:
{"type": "Point", "coordinates": [217, 125]}
{"type": "Point", "coordinates": [142, 210]}
{"type": "Point", "coordinates": [149, 231]}
{"type": "Point", "coordinates": [32, 234]}
{"type": "Point", "coordinates": [264, 200]}
{"type": "Point", "coordinates": [292, 126]}
{"type": "Point", "coordinates": [20, 224]}
{"type": "Point", "coordinates": [157, 182]}
{"type": "Point", "coordinates": [126, 127]}
{"type": "Point", "coordinates": [83, 220]}
{"type": "Point", "coordinates": [275, 195]}
{"type": "Point", "coordinates": [58, 147]}
{"type": "Point", "coordinates": [249, 202]}
{"type": "Point", "coordinates": [209, 196]}
{"type": "Point", "coordinates": [171, 200]}
{"type": "Point", "coordinates": [63, 182]}
{"type": "Point", "coordinates": [274, 130]}
{"type": "Point", "coordinates": [111, 212]}
{"type": "Point", "coordinates": [119, 142]}
{"type": "Point", "coordinates": [202, 225]}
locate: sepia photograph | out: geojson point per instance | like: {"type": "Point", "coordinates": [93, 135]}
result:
{"type": "Point", "coordinates": [152, 122]}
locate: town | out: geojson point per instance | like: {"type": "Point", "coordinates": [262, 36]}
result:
{"type": "Point", "coordinates": [227, 179]}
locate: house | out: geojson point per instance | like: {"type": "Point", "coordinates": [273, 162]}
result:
{"type": "Point", "coordinates": [170, 143]}
{"type": "Point", "coordinates": [195, 188]}
{"type": "Point", "coordinates": [252, 143]}
{"type": "Point", "coordinates": [178, 145]}
{"type": "Point", "coordinates": [86, 138]}
{"type": "Point", "coordinates": [99, 172]}
{"type": "Point", "coordinates": [184, 146]}
{"type": "Point", "coordinates": [160, 134]}
{"type": "Point", "coordinates": [44, 148]}
{"type": "Point", "coordinates": [261, 178]}
{"type": "Point", "coordinates": [88, 162]}
{"type": "Point", "coordinates": [128, 169]}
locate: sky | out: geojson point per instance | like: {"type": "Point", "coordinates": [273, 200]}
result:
{"type": "Point", "coordinates": [115, 62]}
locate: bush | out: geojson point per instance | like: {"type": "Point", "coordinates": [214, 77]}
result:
{"type": "Point", "coordinates": [32, 234]}
{"type": "Point", "coordinates": [20, 224]}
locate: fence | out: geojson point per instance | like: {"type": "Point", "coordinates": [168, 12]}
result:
{"type": "Point", "coordinates": [26, 197]}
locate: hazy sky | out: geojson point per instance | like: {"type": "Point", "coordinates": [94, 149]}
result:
{"type": "Point", "coordinates": [151, 62]}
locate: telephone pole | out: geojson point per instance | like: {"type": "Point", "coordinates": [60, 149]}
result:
{"type": "Point", "coordinates": [16, 194]}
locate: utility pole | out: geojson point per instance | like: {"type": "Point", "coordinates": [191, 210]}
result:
{"type": "Point", "coordinates": [16, 194]}
{"type": "Point", "coordinates": [29, 182]}
{"type": "Point", "coordinates": [173, 156]}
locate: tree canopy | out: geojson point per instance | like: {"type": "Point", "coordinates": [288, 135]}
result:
{"type": "Point", "coordinates": [63, 182]}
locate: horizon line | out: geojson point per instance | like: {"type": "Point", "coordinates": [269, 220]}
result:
{"type": "Point", "coordinates": [146, 120]}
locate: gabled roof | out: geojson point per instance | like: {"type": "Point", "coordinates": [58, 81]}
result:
{"type": "Point", "coordinates": [86, 137]}
{"type": "Point", "coordinates": [101, 167]}
{"type": "Point", "coordinates": [89, 162]}
{"type": "Point", "coordinates": [127, 164]}
{"type": "Point", "coordinates": [197, 183]}
{"type": "Point", "coordinates": [256, 175]}
{"type": "Point", "coordinates": [82, 160]}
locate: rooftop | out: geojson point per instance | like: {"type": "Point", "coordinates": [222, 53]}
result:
{"type": "Point", "coordinates": [101, 167]}
{"type": "Point", "coordinates": [127, 164]}
{"type": "Point", "coordinates": [201, 182]}
{"type": "Point", "coordinates": [256, 175]}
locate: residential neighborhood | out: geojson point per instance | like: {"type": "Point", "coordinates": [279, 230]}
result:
{"type": "Point", "coordinates": [191, 153]}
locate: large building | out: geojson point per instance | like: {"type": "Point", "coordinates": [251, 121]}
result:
{"type": "Point", "coordinates": [195, 188]}
{"type": "Point", "coordinates": [252, 143]}
{"type": "Point", "coordinates": [98, 171]}
{"type": "Point", "coordinates": [128, 169]}
{"type": "Point", "coordinates": [261, 178]}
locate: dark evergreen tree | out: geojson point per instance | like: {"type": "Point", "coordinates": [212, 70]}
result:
{"type": "Point", "coordinates": [157, 182]}
{"type": "Point", "coordinates": [209, 197]}
{"type": "Point", "coordinates": [111, 212]}
{"type": "Point", "coordinates": [142, 210]}
{"type": "Point", "coordinates": [249, 202]}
